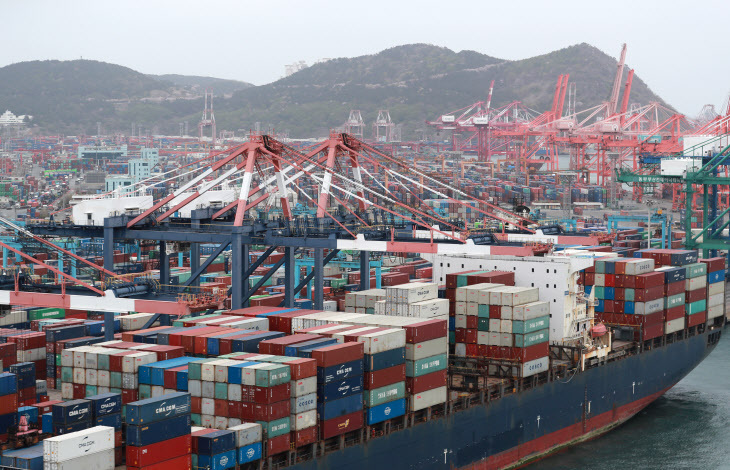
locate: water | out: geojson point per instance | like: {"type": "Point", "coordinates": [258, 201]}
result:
{"type": "Point", "coordinates": [687, 428]}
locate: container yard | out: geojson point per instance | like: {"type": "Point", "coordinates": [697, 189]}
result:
{"type": "Point", "coordinates": [527, 283]}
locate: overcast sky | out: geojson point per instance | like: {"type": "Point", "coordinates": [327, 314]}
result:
{"type": "Point", "coordinates": [678, 48]}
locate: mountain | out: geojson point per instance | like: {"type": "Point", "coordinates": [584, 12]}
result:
{"type": "Point", "coordinates": [199, 84]}
{"type": "Point", "coordinates": [419, 82]}
{"type": "Point", "coordinates": [415, 82]}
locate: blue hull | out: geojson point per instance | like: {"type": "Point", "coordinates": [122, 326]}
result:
{"type": "Point", "coordinates": [522, 427]}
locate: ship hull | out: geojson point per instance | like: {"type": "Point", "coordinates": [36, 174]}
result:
{"type": "Point", "coordinates": [522, 427]}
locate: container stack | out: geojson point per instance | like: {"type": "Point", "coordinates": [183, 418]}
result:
{"type": "Point", "coordinates": [696, 294]}
{"type": "Point", "coordinates": [339, 388]}
{"type": "Point", "coordinates": [363, 301]}
{"type": "Point", "coordinates": [426, 364]}
{"type": "Point", "coordinates": [91, 449]}
{"type": "Point", "coordinates": [158, 432]}
{"type": "Point", "coordinates": [71, 416]}
{"type": "Point", "coordinates": [106, 410]}
{"type": "Point", "coordinates": [26, 375]}
{"type": "Point", "coordinates": [248, 442]}
{"type": "Point", "coordinates": [154, 378]}
{"type": "Point", "coordinates": [472, 318]}
{"type": "Point", "coordinates": [216, 450]}
{"type": "Point", "coordinates": [417, 299]}
{"type": "Point", "coordinates": [385, 372]}
{"type": "Point", "coordinates": [8, 404]}
{"type": "Point", "coordinates": [30, 457]}
{"type": "Point", "coordinates": [31, 348]}
{"type": "Point", "coordinates": [715, 287]}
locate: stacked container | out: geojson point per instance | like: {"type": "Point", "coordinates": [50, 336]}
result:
{"type": "Point", "coordinates": [715, 287]}
{"type": "Point", "coordinates": [71, 416]}
{"type": "Point", "coordinates": [385, 372]}
{"type": "Point", "coordinates": [248, 442]}
{"type": "Point", "coordinates": [339, 388]}
{"type": "Point", "coordinates": [106, 410]}
{"type": "Point", "coordinates": [31, 348]}
{"type": "Point", "coordinates": [363, 301]}
{"type": "Point", "coordinates": [154, 379]}
{"type": "Point", "coordinates": [91, 449]}
{"type": "Point", "coordinates": [417, 299]}
{"type": "Point", "coordinates": [158, 430]}
{"type": "Point", "coordinates": [696, 294]}
{"type": "Point", "coordinates": [26, 375]}
{"type": "Point", "coordinates": [8, 404]}
{"type": "Point", "coordinates": [472, 318]}
{"type": "Point", "coordinates": [30, 457]}
{"type": "Point", "coordinates": [216, 450]}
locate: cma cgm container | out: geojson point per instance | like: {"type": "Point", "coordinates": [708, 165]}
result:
{"type": "Point", "coordinates": [157, 409]}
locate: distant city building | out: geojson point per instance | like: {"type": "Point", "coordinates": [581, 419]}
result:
{"type": "Point", "coordinates": [10, 119]}
{"type": "Point", "coordinates": [103, 153]}
{"type": "Point", "coordinates": [139, 169]}
{"type": "Point", "coordinates": [294, 68]}
{"type": "Point", "coordinates": [115, 182]}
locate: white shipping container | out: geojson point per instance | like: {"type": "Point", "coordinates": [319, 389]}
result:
{"type": "Point", "coordinates": [329, 305]}
{"type": "Point", "coordinates": [79, 375]}
{"type": "Point", "coordinates": [495, 326]}
{"type": "Point", "coordinates": [674, 325]}
{"type": "Point", "coordinates": [460, 320]}
{"type": "Point", "coordinates": [103, 378]}
{"type": "Point", "coordinates": [135, 321]}
{"type": "Point", "coordinates": [478, 292]}
{"type": "Point", "coordinates": [531, 311]}
{"type": "Point", "coordinates": [646, 308]}
{"type": "Point", "coordinates": [495, 295]}
{"type": "Point", "coordinates": [715, 288]}
{"type": "Point", "coordinates": [195, 388]}
{"type": "Point", "coordinates": [157, 391]}
{"type": "Point", "coordinates": [303, 420]}
{"type": "Point", "coordinates": [303, 387]}
{"type": "Point", "coordinates": [77, 444]}
{"type": "Point", "coordinates": [506, 339]}
{"type": "Point", "coordinates": [246, 433]}
{"type": "Point", "coordinates": [520, 296]}
{"type": "Point", "coordinates": [506, 313]}
{"type": "Point", "coordinates": [131, 363]}
{"type": "Point", "coordinates": [535, 366]}
{"type": "Point", "coordinates": [429, 308]}
{"type": "Point", "coordinates": [715, 311]}
{"type": "Point", "coordinates": [695, 283]}
{"type": "Point", "coordinates": [460, 349]}
{"type": "Point", "coordinates": [250, 324]}
{"type": "Point", "coordinates": [91, 377]}
{"type": "Point", "coordinates": [505, 326]}
{"type": "Point", "coordinates": [639, 266]}
{"type": "Point", "coordinates": [495, 338]}
{"type": "Point", "coordinates": [207, 389]}
{"type": "Point", "coordinates": [304, 403]}
{"type": "Point", "coordinates": [599, 279]}
{"type": "Point", "coordinates": [130, 381]}
{"type": "Point", "coordinates": [220, 422]}
{"type": "Point", "coordinates": [483, 337]}
{"type": "Point", "coordinates": [103, 460]}
{"type": "Point", "coordinates": [67, 391]}
{"type": "Point", "coordinates": [460, 308]}
{"type": "Point", "coordinates": [428, 348]}
{"type": "Point", "coordinates": [416, 292]}
{"type": "Point", "coordinates": [234, 392]}
{"type": "Point", "coordinates": [472, 309]}
{"type": "Point", "coordinates": [207, 406]}
{"type": "Point", "coordinates": [428, 398]}
{"type": "Point", "coordinates": [383, 340]}
{"type": "Point", "coordinates": [716, 299]}
{"type": "Point", "coordinates": [67, 358]}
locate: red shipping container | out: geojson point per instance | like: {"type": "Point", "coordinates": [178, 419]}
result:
{"type": "Point", "coordinates": [610, 280]}
{"type": "Point", "coordinates": [472, 350]}
{"type": "Point", "coordinates": [118, 438]}
{"type": "Point", "coordinates": [426, 382]}
{"type": "Point", "coordinates": [424, 331]}
{"type": "Point", "coordinates": [225, 345]}
{"type": "Point", "coordinates": [266, 395]}
{"type": "Point", "coordinates": [696, 319]}
{"type": "Point", "coordinates": [341, 425]}
{"type": "Point", "coordinates": [302, 368]}
{"type": "Point", "coordinates": [9, 404]}
{"type": "Point", "coordinates": [674, 313]}
{"type": "Point", "coordinates": [384, 377]}
{"type": "Point", "coordinates": [714, 264]}
{"type": "Point", "coordinates": [115, 361]}
{"type": "Point", "coordinates": [470, 336]}
{"type": "Point", "coordinates": [280, 444]}
{"type": "Point", "coordinates": [272, 411]}
{"type": "Point", "coordinates": [234, 409]}
{"type": "Point", "coordinates": [183, 462]}
{"type": "Point", "coordinates": [451, 279]}
{"type": "Point", "coordinates": [159, 452]}
{"type": "Point", "coordinates": [200, 341]}
{"type": "Point", "coordinates": [472, 322]}
{"type": "Point", "coordinates": [278, 345]}
{"type": "Point", "coordinates": [304, 436]}
{"type": "Point", "coordinates": [220, 407]}
{"type": "Point", "coordinates": [649, 280]}
{"type": "Point", "coordinates": [530, 353]}
{"type": "Point", "coordinates": [652, 331]}
{"type": "Point", "coordinates": [282, 321]}
{"type": "Point", "coordinates": [170, 377]}
{"type": "Point", "coordinates": [196, 405]}
{"type": "Point", "coordinates": [674, 288]}
{"type": "Point", "coordinates": [495, 312]}
{"type": "Point", "coordinates": [129, 335]}
{"type": "Point", "coordinates": [695, 295]}
{"type": "Point", "coordinates": [128, 396]}
{"type": "Point", "coordinates": [45, 406]}
{"type": "Point", "coordinates": [165, 352]}
{"type": "Point", "coordinates": [339, 353]}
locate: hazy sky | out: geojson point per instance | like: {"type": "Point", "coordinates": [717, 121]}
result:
{"type": "Point", "coordinates": [678, 48]}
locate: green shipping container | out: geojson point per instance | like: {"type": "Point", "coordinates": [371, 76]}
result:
{"type": "Point", "coordinates": [528, 326]}
{"type": "Point", "coordinates": [221, 391]}
{"type": "Point", "coordinates": [452, 337]}
{"type": "Point", "coordinates": [115, 380]}
{"type": "Point", "coordinates": [600, 292]}
{"type": "Point", "coordinates": [426, 365]}
{"type": "Point", "coordinates": [530, 339]}
{"type": "Point", "coordinates": [145, 391]}
{"type": "Point", "coordinates": [629, 295]}
{"type": "Point", "coordinates": [194, 368]}
{"type": "Point", "coordinates": [67, 374]}
{"type": "Point", "coordinates": [275, 428]}
{"type": "Point", "coordinates": [46, 313]}
{"type": "Point", "coordinates": [483, 324]}
{"type": "Point", "coordinates": [385, 394]}
{"type": "Point", "coordinates": [272, 375]}
{"type": "Point", "coordinates": [695, 270]}
{"type": "Point", "coordinates": [674, 300]}
{"type": "Point", "coordinates": [483, 311]}
{"type": "Point", "coordinates": [696, 307]}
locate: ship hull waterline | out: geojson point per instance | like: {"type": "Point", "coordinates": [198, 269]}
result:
{"type": "Point", "coordinates": [523, 427]}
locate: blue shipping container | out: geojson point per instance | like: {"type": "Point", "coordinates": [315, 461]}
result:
{"type": "Point", "coordinates": [216, 442]}
{"type": "Point", "coordinates": [59, 429]}
{"type": "Point", "coordinates": [47, 423]}
{"type": "Point", "coordinates": [385, 359]}
{"type": "Point", "coordinates": [392, 409]}
{"type": "Point", "coordinates": [235, 372]}
{"type": "Point", "coordinates": [158, 431]}
{"type": "Point", "coordinates": [160, 408]}
{"type": "Point", "coordinates": [8, 384]}
{"type": "Point", "coordinates": [293, 350]}
{"type": "Point", "coordinates": [105, 404]}
{"type": "Point", "coordinates": [249, 453]}
{"type": "Point", "coordinates": [341, 407]}
{"type": "Point", "coordinates": [339, 371]}
{"type": "Point", "coordinates": [71, 412]}
{"type": "Point", "coordinates": [219, 461]}
{"type": "Point", "coordinates": [30, 413]}
{"type": "Point", "coordinates": [112, 421]}
{"type": "Point", "coordinates": [340, 388]}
